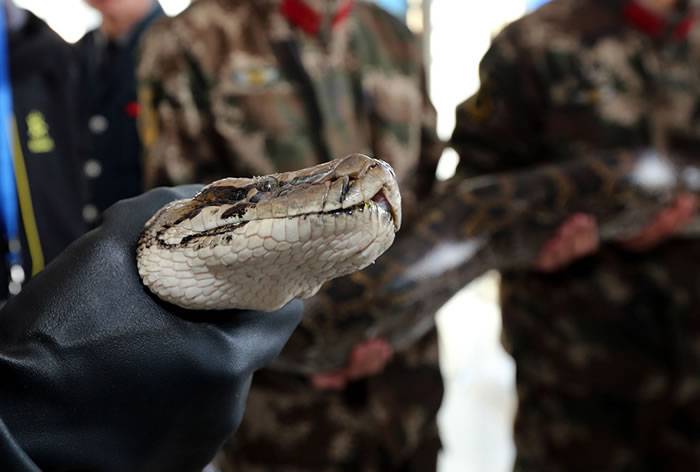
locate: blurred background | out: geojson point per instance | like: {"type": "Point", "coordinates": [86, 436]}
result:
{"type": "Point", "coordinates": [479, 404]}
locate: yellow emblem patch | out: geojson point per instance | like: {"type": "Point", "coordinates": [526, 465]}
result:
{"type": "Point", "coordinates": [38, 139]}
{"type": "Point", "coordinates": [256, 76]}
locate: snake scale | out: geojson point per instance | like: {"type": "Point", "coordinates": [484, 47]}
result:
{"type": "Point", "coordinates": [257, 243]}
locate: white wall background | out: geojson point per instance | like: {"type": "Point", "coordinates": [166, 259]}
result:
{"type": "Point", "coordinates": [477, 413]}
{"type": "Point", "coordinates": [72, 18]}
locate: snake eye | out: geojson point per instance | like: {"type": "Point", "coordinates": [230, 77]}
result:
{"type": "Point", "coordinates": [267, 185]}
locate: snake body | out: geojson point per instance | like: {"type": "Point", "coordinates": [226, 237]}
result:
{"type": "Point", "coordinates": [472, 226]}
{"type": "Point", "coordinates": [258, 243]}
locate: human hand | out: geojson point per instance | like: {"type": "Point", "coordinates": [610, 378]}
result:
{"type": "Point", "coordinates": [577, 237]}
{"type": "Point", "coordinates": [98, 374]}
{"type": "Point", "coordinates": [666, 223]}
{"type": "Point", "coordinates": [366, 359]}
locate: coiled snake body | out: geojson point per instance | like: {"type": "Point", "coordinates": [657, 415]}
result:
{"type": "Point", "coordinates": [469, 227]}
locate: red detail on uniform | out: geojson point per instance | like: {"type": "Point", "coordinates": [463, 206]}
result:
{"type": "Point", "coordinates": [132, 109]}
{"type": "Point", "coordinates": [343, 12]}
{"type": "Point", "coordinates": [655, 25]}
{"type": "Point", "coordinates": [308, 19]}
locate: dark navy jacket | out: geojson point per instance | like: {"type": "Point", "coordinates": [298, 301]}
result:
{"type": "Point", "coordinates": [113, 161]}
{"type": "Point", "coordinates": [44, 76]}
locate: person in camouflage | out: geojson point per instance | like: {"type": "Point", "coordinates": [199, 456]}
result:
{"type": "Point", "coordinates": [250, 87]}
{"type": "Point", "coordinates": [607, 347]}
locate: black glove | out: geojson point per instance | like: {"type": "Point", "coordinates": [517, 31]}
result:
{"type": "Point", "coordinates": [98, 374]}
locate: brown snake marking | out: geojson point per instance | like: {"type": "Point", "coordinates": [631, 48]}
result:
{"type": "Point", "coordinates": [471, 227]}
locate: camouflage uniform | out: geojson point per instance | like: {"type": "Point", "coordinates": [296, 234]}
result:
{"type": "Point", "coordinates": [607, 350]}
{"type": "Point", "coordinates": [230, 88]}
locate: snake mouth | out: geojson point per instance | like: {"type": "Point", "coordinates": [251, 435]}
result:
{"type": "Point", "coordinates": [379, 201]}
{"type": "Point", "coordinates": [382, 201]}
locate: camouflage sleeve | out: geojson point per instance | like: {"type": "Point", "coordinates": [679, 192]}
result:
{"type": "Point", "coordinates": [498, 128]}
{"type": "Point", "coordinates": [431, 145]}
{"type": "Point", "coordinates": [173, 92]}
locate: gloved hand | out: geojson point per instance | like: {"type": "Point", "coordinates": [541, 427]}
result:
{"type": "Point", "coordinates": [98, 374]}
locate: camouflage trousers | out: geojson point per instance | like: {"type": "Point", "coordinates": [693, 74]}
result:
{"type": "Point", "coordinates": [608, 362]}
{"type": "Point", "coordinates": [383, 423]}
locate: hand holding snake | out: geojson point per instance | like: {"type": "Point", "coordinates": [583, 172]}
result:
{"type": "Point", "coordinates": [578, 236]}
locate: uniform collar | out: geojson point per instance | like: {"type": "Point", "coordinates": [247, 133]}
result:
{"type": "Point", "coordinates": [655, 25]}
{"type": "Point", "coordinates": [309, 20]}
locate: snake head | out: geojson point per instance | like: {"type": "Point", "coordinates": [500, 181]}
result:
{"type": "Point", "coordinates": [259, 242]}
{"type": "Point", "coordinates": [342, 185]}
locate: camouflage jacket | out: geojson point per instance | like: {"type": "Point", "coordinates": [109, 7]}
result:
{"type": "Point", "coordinates": [574, 77]}
{"type": "Point", "coordinates": [222, 99]}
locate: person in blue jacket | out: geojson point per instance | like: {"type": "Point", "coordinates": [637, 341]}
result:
{"type": "Point", "coordinates": [42, 188]}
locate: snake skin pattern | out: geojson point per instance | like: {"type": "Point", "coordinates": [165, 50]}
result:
{"type": "Point", "coordinates": [258, 243]}
{"type": "Point", "coordinates": [472, 226]}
